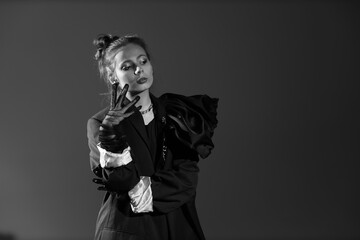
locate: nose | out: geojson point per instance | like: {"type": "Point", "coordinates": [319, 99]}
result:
{"type": "Point", "coordinates": [138, 70]}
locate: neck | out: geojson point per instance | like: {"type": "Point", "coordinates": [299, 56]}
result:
{"type": "Point", "coordinates": [144, 100]}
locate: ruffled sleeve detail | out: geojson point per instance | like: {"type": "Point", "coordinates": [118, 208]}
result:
{"type": "Point", "coordinates": [141, 199]}
{"type": "Point", "coordinates": [111, 160]}
{"type": "Point", "coordinates": [193, 120]}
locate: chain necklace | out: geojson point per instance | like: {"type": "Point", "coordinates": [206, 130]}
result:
{"type": "Point", "coordinates": [147, 110]}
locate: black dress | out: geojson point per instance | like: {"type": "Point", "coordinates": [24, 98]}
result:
{"type": "Point", "coordinates": [166, 152]}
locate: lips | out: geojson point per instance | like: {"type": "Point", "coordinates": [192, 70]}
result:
{"type": "Point", "coordinates": [141, 80]}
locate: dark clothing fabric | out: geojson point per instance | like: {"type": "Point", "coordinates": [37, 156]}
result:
{"type": "Point", "coordinates": [193, 120]}
{"type": "Point", "coordinates": [158, 152]}
{"type": "Point", "coordinates": [151, 134]}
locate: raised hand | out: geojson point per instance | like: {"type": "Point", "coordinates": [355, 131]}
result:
{"type": "Point", "coordinates": [111, 140]}
{"type": "Point", "coordinates": [119, 106]}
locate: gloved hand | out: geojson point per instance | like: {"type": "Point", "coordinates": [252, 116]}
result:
{"type": "Point", "coordinates": [111, 140]}
{"type": "Point", "coordinates": [107, 186]}
{"type": "Point", "coordinates": [119, 180]}
{"type": "Point", "coordinates": [104, 185]}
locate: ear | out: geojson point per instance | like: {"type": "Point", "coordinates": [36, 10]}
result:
{"type": "Point", "coordinates": [110, 75]}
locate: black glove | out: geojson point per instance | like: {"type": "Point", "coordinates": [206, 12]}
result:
{"type": "Point", "coordinates": [110, 139]}
{"type": "Point", "coordinates": [104, 185]}
{"type": "Point", "coordinates": [119, 180]}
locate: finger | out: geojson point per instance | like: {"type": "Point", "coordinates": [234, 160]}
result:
{"type": "Point", "coordinates": [114, 88]}
{"type": "Point", "coordinates": [98, 181]}
{"type": "Point", "coordinates": [133, 102]}
{"type": "Point", "coordinates": [119, 102]}
{"type": "Point", "coordinates": [121, 117]}
{"type": "Point", "coordinates": [102, 188]}
{"type": "Point", "coordinates": [105, 131]}
{"type": "Point", "coordinates": [113, 114]}
{"type": "Point", "coordinates": [107, 136]}
{"type": "Point", "coordinates": [106, 140]}
{"type": "Point", "coordinates": [115, 118]}
{"type": "Point", "coordinates": [118, 116]}
{"type": "Point", "coordinates": [128, 114]}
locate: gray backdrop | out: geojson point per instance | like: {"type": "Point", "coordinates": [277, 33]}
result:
{"type": "Point", "coordinates": [286, 161]}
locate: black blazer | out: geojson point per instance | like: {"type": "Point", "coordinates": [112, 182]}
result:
{"type": "Point", "coordinates": [174, 179]}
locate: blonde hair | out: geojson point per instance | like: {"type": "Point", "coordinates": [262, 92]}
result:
{"type": "Point", "coordinates": [107, 46]}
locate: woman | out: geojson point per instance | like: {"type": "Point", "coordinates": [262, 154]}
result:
{"type": "Point", "coordinates": [144, 150]}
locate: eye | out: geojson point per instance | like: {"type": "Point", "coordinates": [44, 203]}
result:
{"type": "Point", "coordinates": [143, 61]}
{"type": "Point", "coordinates": [125, 67]}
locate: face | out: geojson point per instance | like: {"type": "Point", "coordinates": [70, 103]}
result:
{"type": "Point", "coordinates": [133, 67]}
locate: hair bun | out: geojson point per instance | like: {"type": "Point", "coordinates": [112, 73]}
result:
{"type": "Point", "coordinates": [101, 43]}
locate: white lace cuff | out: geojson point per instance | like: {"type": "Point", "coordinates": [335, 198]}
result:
{"type": "Point", "coordinates": [141, 196]}
{"type": "Point", "coordinates": [109, 159]}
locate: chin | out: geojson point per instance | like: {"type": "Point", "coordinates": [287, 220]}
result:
{"type": "Point", "coordinates": [136, 91]}
{"type": "Point", "coordinates": [138, 88]}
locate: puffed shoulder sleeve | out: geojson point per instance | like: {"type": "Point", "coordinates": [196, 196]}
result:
{"type": "Point", "coordinates": [193, 120]}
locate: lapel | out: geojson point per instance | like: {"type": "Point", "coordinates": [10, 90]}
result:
{"type": "Point", "coordinates": [136, 136]}
{"type": "Point", "coordinates": [137, 122]}
{"type": "Point", "coordinates": [160, 117]}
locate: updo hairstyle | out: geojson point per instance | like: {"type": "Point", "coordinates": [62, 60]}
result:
{"type": "Point", "coordinates": [107, 46]}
